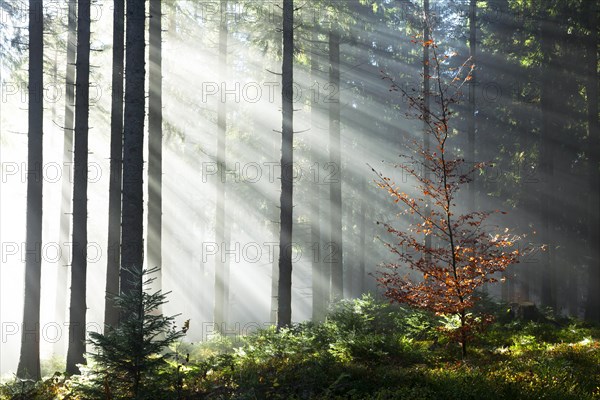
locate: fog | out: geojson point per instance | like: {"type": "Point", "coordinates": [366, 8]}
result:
{"type": "Point", "coordinates": [377, 126]}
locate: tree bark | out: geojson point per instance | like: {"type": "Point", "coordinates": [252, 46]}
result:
{"type": "Point", "coordinates": [221, 300]}
{"type": "Point", "coordinates": [548, 294]}
{"type": "Point", "coordinates": [505, 287]}
{"type": "Point", "coordinates": [229, 221]}
{"type": "Point", "coordinates": [66, 188]}
{"type": "Point", "coordinates": [284, 298]}
{"type": "Point", "coordinates": [155, 105]}
{"type": "Point", "coordinates": [77, 309]}
{"type": "Point", "coordinates": [363, 235]}
{"type": "Point", "coordinates": [471, 112]}
{"type": "Point", "coordinates": [132, 240]}
{"type": "Point", "coordinates": [427, 107]}
{"type": "Point", "coordinates": [592, 309]}
{"type": "Point", "coordinates": [111, 313]}
{"type": "Point", "coordinates": [335, 188]}
{"type": "Point", "coordinates": [274, 287]}
{"type": "Point", "coordinates": [319, 275]}
{"type": "Point", "coordinates": [29, 360]}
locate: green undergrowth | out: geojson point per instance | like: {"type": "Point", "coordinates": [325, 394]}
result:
{"type": "Point", "coordinates": [372, 350]}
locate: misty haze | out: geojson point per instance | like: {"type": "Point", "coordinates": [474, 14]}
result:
{"type": "Point", "coordinates": [319, 199]}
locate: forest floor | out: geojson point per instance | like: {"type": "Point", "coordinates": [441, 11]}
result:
{"type": "Point", "coordinates": [373, 350]}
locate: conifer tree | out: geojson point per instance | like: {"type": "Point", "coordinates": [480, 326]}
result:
{"type": "Point", "coordinates": [129, 356]}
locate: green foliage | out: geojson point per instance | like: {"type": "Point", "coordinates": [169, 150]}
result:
{"type": "Point", "coordinates": [50, 388]}
{"type": "Point", "coordinates": [366, 349]}
{"type": "Point", "coordinates": [364, 315]}
{"type": "Point", "coordinates": [53, 364]}
{"type": "Point", "coordinates": [367, 330]}
{"type": "Point", "coordinates": [126, 360]}
{"type": "Point", "coordinates": [368, 316]}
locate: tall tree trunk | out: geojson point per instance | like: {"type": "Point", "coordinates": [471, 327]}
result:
{"type": "Point", "coordinates": [572, 292]}
{"type": "Point", "coordinates": [592, 311]}
{"type": "Point", "coordinates": [29, 360]}
{"type": "Point", "coordinates": [220, 299]}
{"type": "Point", "coordinates": [363, 235]}
{"type": "Point", "coordinates": [78, 306]}
{"type": "Point", "coordinates": [505, 287]}
{"type": "Point", "coordinates": [471, 112]}
{"type": "Point", "coordinates": [427, 104]}
{"type": "Point", "coordinates": [512, 286]}
{"type": "Point", "coordinates": [319, 275]}
{"type": "Point", "coordinates": [132, 225]}
{"type": "Point", "coordinates": [548, 295]}
{"type": "Point", "coordinates": [274, 285]}
{"type": "Point", "coordinates": [284, 297]}
{"type": "Point", "coordinates": [154, 244]}
{"type": "Point", "coordinates": [275, 227]}
{"type": "Point", "coordinates": [229, 221]}
{"type": "Point", "coordinates": [66, 188]}
{"type": "Point", "coordinates": [111, 313]}
{"type": "Point", "coordinates": [348, 215]}
{"type": "Point", "coordinates": [335, 188]}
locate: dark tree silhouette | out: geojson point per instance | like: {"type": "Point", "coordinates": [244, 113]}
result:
{"type": "Point", "coordinates": [472, 85]}
{"type": "Point", "coordinates": [593, 303]}
{"type": "Point", "coordinates": [113, 255]}
{"type": "Point", "coordinates": [426, 101]}
{"type": "Point", "coordinates": [320, 281]}
{"type": "Point", "coordinates": [284, 297]}
{"type": "Point", "coordinates": [129, 357]}
{"type": "Point", "coordinates": [546, 161]}
{"type": "Point", "coordinates": [66, 188]}
{"type": "Point", "coordinates": [155, 133]}
{"type": "Point", "coordinates": [362, 277]}
{"type": "Point", "coordinates": [335, 188]}
{"type": "Point", "coordinates": [132, 223]}
{"type": "Point", "coordinates": [221, 267]}
{"type": "Point", "coordinates": [78, 308]}
{"type": "Point", "coordinates": [29, 360]}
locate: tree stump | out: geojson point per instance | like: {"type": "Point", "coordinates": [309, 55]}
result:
{"type": "Point", "coordinates": [524, 311]}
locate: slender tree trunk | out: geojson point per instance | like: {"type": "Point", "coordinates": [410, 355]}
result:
{"type": "Point", "coordinates": [274, 230]}
{"type": "Point", "coordinates": [504, 287]}
{"type": "Point", "coordinates": [463, 335]}
{"type": "Point", "coordinates": [77, 309]}
{"type": "Point", "coordinates": [29, 360]}
{"type": "Point", "coordinates": [548, 295]}
{"type": "Point", "coordinates": [220, 299]}
{"type": "Point", "coordinates": [111, 313]}
{"type": "Point", "coordinates": [335, 188]}
{"type": "Point", "coordinates": [229, 220]}
{"type": "Point", "coordinates": [284, 298]}
{"type": "Point", "coordinates": [592, 311]}
{"type": "Point", "coordinates": [512, 286]}
{"type": "Point", "coordinates": [154, 244]}
{"type": "Point", "coordinates": [66, 188]}
{"type": "Point", "coordinates": [571, 288]}
{"type": "Point", "coordinates": [362, 240]}
{"type": "Point", "coordinates": [274, 286]}
{"type": "Point", "coordinates": [132, 226]}
{"type": "Point", "coordinates": [427, 104]}
{"type": "Point", "coordinates": [348, 215]}
{"type": "Point", "coordinates": [319, 275]}
{"type": "Point", "coordinates": [471, 113]}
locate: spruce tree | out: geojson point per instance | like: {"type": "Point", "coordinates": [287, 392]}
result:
{"type": "Point", "coordinates": [128, 358]}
